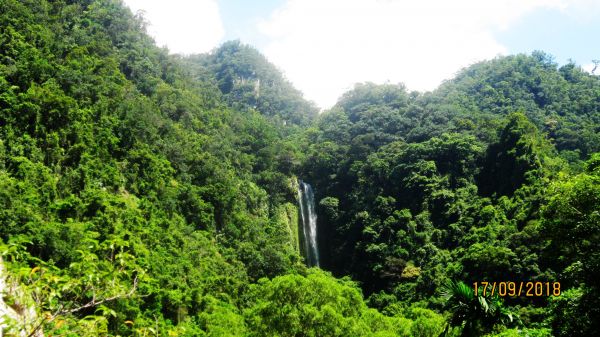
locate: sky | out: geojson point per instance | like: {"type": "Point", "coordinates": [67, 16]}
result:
{"type": "Point", "coordinates": [324, 47]}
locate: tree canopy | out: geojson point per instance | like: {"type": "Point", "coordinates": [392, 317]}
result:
{"type": "Point", "coordinates": [150, 194]}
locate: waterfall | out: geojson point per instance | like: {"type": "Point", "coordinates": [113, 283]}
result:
{"type": "Point", "coordinates": [306, 199]}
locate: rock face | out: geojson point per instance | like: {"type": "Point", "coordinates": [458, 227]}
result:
{"type": "Point", "coordinates": [17, 313]}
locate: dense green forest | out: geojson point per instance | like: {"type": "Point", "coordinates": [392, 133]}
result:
{"type": "Point", "coordinates": [149, 194]}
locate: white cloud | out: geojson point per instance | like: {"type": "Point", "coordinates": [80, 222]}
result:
{"type": "Point", "coordinates": [325, 46]}
{"type": "Point", "coordinates": [585, 11]}
{"type": "Point", "coordinates": [185, 26]}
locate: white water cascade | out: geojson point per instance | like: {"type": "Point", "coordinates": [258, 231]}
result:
{"type": "Point", "coordinates": [308, 216]}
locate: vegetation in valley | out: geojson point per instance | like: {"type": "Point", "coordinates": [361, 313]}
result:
{"type": "Point", "coordinates": [150, 194]}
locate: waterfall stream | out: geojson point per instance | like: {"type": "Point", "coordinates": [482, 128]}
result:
{"type": "Point", "coordinates": [308, 216]}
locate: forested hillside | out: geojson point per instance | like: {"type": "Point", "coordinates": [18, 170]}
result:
{"type": "Point", "coordinates": [480, 180]}
{"type": "Point", "coordinates": [150, 194]}
{"type": "Point", "coordinates": [248, 81]}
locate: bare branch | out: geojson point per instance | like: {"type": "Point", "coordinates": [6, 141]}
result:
{"type": "Point", "coordinates": [94, 303]}
{"type": "Point", "coordinates": [596, 64]}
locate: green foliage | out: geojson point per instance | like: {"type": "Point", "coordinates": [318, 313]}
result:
{"type": "Point", "coordinates": [116, 161]}
{"type": "Point", "coordinates": [570, 222]}
{"type": "Point", "coordinates": [516, 157]}
{"type": "Point", "coordinates": [475, 313]}
{"type": "Point", "coordinates": [319, 305]}
{"type": "Point", "coordinates": [248, 81]}
{"type": "Point", "coordinates": [149, 194]}
{"type": "Point", "coordinates": [416, 189]}
{"type": "Point", "coordinates": [50, 297]}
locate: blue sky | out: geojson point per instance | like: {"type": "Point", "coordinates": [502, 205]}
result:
{"type": "Point", "coordinates": [562, 35]}
{"type": "Point", "coordinates": [240, 18]}
{"type": "Point", "coordinates": [325, 46]}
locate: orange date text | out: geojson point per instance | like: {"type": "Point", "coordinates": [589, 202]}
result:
{"type": "Point", "coordinates": [516, 289]}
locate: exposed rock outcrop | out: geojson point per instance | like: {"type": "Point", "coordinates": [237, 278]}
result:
{"type": "Point", "coordinates": [17, 311]}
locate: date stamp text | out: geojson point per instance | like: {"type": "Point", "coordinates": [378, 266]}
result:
{"type": "Point", "coordinates": [516, 289]}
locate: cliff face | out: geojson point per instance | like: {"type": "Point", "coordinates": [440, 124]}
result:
{"type": "Point", "coordinates": [17, 312]}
